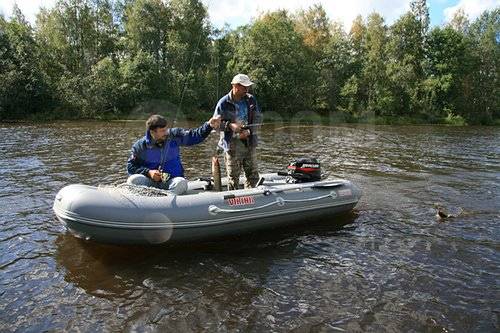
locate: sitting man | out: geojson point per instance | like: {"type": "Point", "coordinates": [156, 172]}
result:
{"type": "Point", "coordinates": [155, 159]}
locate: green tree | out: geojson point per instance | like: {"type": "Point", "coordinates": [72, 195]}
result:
{"type": "Point", "coordinates": [349, 94]}
{"type": "Point", "coordinates": [405, 68]}
{"type": "Point", "coordinates": [407, 49]}
{"type": "Point", "coordinates": [222, 50]}
{"type": "Point", "coordinates": [107, 30]}
{"type": "Point", "coordinates": [420, 11]}
{"type": "Point", "coordinates": [147, 24]}
{"type": "Point", "coordinates": [146, 28]}
{"type": "Point", "coordinates": [460, 21]}
{"type": "Point", "coordinates": [334, 69]}
{"type": "Point", "coordinates": [450, 61]}
{"type": "Point", "coordinates": [357, 39]}
{"type": "Point", "coordinates": [273, 54]}
{"type": "Point", "coordinates": [380, 100]}
{"type": "Point", "coordinates": [368, 89]}
{"type": "Point", "coordinates": [77, 34]}
{"type": "Point", "coordinates": [107, 88]}
{"type": "Point", "coordinates": [316, 31]}
{"type": "Point", "coordinates": [23, 88]}
{"type": "Point", "coordinates": [352, 94]}
{"type": "Point", "coordinates": [314, 27]}
{"type": "Point", "coordinates": [175, 34]}
{"type": "Point", "coordinates": [484, 85]}
{"type": "Point", "coordinates": [189, 48]}
{"type": "Point", "coordinates": [94, 58]}
{"type": "Point", "coordinates": [141, 77]}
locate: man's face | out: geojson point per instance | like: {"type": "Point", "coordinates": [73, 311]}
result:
{"type": "Point", "coordinates": [159, 134]}
{"type": "Point", "coordinates": [239, 90]}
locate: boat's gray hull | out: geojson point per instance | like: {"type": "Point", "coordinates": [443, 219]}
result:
{"type": "Point", "coordinates": [109, 216]}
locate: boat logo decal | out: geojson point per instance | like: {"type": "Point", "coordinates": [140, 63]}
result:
{"type": "Point", "coordinates": [314, 166]}
{"type": "Point", "coordinates": [345, 192]}
{"type": "Point", "coordinates": [241, 201]}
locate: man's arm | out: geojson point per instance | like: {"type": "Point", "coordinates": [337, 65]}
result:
{"type": "Point", "coordinates": [197, 135]}
{"type": "Point", "coordinates": [134, 163]}
{"type": "Point", "coordinates": [226, 123]}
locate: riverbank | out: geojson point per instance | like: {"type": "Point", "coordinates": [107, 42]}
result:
{"type": "Point", "coordinates": [306, 117]}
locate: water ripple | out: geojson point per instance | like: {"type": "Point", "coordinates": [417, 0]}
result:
{"type": "Point", "coordinates": [388, 266]}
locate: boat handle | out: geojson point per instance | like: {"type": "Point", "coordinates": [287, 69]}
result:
{"type": "Point", "coordinates": [214, 210]}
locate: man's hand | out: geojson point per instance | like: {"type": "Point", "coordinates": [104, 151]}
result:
{"type": "Point", "coordinates": [214, 122]}
{"type": "Point", "coordinates": [238, 128]}
{"type": "Point", "coordinates": [155, 175]}
{"type": "Point", "coordinates": [244, 134]}
{"type": "Point", "coordinates": [235, 127]}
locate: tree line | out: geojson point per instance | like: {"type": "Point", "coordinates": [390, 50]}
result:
{"type": "Point", "coordinates": [105, 58]}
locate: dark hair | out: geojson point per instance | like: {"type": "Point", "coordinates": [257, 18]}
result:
{"type": "Point", "coordinates": [155, 121]}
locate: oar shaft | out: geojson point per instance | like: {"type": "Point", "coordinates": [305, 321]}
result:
{"type": "Point", "coordinates": [278, 190]}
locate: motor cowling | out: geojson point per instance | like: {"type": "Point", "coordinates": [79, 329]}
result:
{"type": "Point", "coordinates": [305, 170]}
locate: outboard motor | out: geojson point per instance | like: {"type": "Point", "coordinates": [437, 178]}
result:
{"type": "Point", "coordinates": [304, 170]}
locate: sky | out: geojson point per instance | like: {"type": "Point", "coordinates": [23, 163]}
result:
{"type": "Point", "coordinates": [239, 12]}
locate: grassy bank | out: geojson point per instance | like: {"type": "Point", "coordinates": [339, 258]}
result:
{"type": "Point", "coordinates": [307, 117]}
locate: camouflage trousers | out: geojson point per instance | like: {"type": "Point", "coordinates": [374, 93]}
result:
{"type": "Point", "coordinates": [240, 157]}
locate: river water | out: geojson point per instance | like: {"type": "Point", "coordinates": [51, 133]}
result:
{"type": "Point", "coordinates": [389, 266]}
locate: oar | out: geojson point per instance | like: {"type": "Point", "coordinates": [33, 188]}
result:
{"type": "Point", "coordinates": [267, 192]}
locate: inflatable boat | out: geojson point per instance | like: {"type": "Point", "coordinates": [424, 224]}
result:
{"type": "Point", "coordinates": [114, 214]}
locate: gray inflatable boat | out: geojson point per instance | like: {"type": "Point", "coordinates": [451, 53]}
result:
{"type": "Point", "coordinates": [114, 214]}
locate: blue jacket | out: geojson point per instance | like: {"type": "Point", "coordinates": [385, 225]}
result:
{"type": "Point", "coordinates": [226, 108]}
{"type": "Point", "coordinates": [148, 155]}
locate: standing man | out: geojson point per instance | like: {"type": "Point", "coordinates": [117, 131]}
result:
{"type": "Point", "coordinates": [241, 118]}
{"type": "Point", "coordinates": [155, 159]}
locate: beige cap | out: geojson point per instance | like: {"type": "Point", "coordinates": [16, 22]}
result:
{"type": "Point", "coordinates": [242, 79]}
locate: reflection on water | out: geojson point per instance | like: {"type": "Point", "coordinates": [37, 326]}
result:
{"type": "Point", "coordinates": [388, 266]}
{"type": "Point", "coordinates": [108, 262]}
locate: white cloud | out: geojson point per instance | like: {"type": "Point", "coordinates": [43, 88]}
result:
{"type": "Point", "coordinates": [29, 7]}
{"type": "Point", "coordinates": [238, 12]}
{"type": "Point", "coordinates": [473, 8]}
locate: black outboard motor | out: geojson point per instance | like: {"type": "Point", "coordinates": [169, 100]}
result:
{"type": "Point", "coordinates": [305, 170]}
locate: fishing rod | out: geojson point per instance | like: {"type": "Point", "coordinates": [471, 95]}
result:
{"type": "Point", "coordinates": [248, 126]}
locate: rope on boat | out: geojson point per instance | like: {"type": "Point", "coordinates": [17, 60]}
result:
{"type": "Point", "coordinates": [136, 189]}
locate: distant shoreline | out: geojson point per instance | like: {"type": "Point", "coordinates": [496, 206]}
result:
{"type": "Point", "coordinates": [308, 118]}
